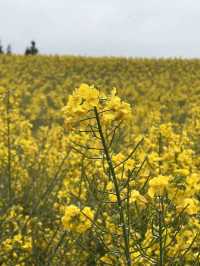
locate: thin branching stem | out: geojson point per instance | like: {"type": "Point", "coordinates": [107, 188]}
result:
{"type": "Point", "coordinates": [114, 179]}
{"type": "Point", "coordinates": [9, 172]}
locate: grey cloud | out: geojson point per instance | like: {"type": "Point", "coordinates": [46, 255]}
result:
{"type": "Point", "coordinates": [103, 27]}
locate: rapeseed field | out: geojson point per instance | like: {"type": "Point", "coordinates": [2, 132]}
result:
{"type": "Point", "coordinates": [99, 161]}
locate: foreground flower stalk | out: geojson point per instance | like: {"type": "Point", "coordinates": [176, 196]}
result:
{"type": "Point", "coordinates": [119, 201]}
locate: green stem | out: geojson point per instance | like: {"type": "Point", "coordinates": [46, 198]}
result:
{"type": "Point", "coordinates": [114, 178]}
{"type": "Point", "coordinates": [9, 148]}
{"type": "Point", "coordinates": [161, 255]}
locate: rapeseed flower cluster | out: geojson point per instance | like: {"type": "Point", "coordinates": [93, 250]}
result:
{"type": "Point", "coordinates": [77, 220]}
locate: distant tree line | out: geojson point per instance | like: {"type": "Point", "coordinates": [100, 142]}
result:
{"type": "Point", "coordinates": [8, 49]}
{"type": "Point", "coordinates": [30, 50]}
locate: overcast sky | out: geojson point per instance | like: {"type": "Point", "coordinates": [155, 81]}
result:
{"type": "Point", "coordinates": [103, 27]}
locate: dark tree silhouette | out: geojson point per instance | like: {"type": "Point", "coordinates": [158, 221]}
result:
{"type": "Point", "coordinates": [1, 48]}
{"type": "Point", "coordinates": [27, 51]}
{"type": "Point", "coordinates": [32, 50]}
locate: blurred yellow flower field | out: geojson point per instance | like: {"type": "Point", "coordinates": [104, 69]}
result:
{"type": "Point", "coordinates": [99, 161]}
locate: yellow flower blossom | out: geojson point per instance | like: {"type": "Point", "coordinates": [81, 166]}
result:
{"type": "Point", "coordinates": [137, 197]}
{"type": "Point", "coordinates": [190, 206]}
{"type": "Point", "coordinates": [76, 220]}
{"type": "Point", "coordinates": [157, 185]}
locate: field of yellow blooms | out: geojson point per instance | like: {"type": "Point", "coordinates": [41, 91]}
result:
{"type": "Point", "coordinates": [99, 161]}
